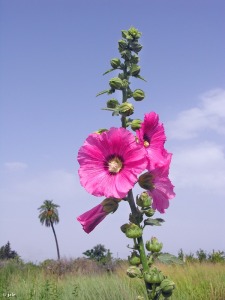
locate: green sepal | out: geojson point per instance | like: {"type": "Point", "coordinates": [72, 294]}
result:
{"type": "Point", "coordinates": [153, 222]}
{"type": "Point", "coordinates": [102, 92]}
{"type": "Point", "coordinates": [124, 33]}
{"type": "Point", "coordinates": [140, 77]}
{"type": "Point", "coordinates": [167, 258]}
{"type": "Point", "coordinates": [115, 111]}
{"type": "Point", "coordinates": [108, 71]}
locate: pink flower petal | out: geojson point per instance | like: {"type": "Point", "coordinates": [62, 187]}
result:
{"type": "Point", "coordinates": [163, 188]}
{"type": "Point", "coordinates": [95, 154]}
{"type": "Point", "coordinates": [90, 219]}
{"type": "Point", "coordinates": [152, 136]}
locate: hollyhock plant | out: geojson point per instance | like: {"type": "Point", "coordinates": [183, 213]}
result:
{"type": "Point", "coordinates": [110, 163]}
{"type": "Point", "coordinates": [158, 185]}
{"type": "Point", "coordinates": [152, 136]}
{"type": "Point", "coordinates": [91, 218]}
{"type": "Point", "coordinates": [113, 161]}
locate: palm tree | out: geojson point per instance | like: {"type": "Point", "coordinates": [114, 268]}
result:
{"type": "Point", "coordinates": [49, 216]}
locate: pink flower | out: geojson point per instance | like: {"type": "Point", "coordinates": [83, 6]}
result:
{"type": "Point", "coordinates": [152, 136]}
{"type": "Point", "coordinates": [91, 218]}
{"type": "Point", "coordinates": [158, 185]}
{"type": "Point", "coordinates": [110, 163]}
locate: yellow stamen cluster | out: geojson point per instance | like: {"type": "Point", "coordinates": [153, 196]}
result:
{"type": "Point", "coordinates": [115, 165]}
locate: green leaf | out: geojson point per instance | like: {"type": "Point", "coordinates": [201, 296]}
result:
{"type": "Point", "coordinates": [110, 109]}
{"type": "Point", "coordinates": [167, 258]}
{"type": "Point", "coordinates": [102, 92]}
{"type": "Point", "coordinates": [114, 110]}
{"type": "Point", "coordinates": [108, 71]}
{"type": "Point", "coordinates": [153, 222]}
{"type": "Point", "coordinates": [140, 77]}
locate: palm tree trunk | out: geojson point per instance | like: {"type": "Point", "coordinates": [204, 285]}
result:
{"type": "Point", "coordinates": [56, 241]}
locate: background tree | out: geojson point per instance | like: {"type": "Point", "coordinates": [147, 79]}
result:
{"type": "Point", "coordinates": [181, 255]}
{"type": "Point", "coordinates": [99, 253]}
{"type": "Point", "coordinates": [201, 255]}
{"type": "Point", "coordinates": [7, 253]}
{"type": "Point", "coordinates": [49, 216]}
{"type": "Point", "coordinates": [217, 256]}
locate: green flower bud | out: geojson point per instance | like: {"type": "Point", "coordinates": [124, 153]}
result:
{"type": "Point", "coordinates": [150, 212]}
{"type": "Point", "coordinates": [129, 37]}
{"type": "Point", "coordinates": [112, 103]}
{"type": "Point", "coordinates": [144, 200]}
{"type": "Point", "coordinates": [133, 272]}
{"type": "Point", "coordinates": [134, 33]}
{"type": "Point", "coordinates": [133, 231]}
{"type": "Point", "coordinates": [146, 181]}
{"type": "Point", "coordinates": [122, 45]}
{"type": "Point", "coordinates": [116, 83]}
{"type": "Point", "coordinates": [153, 245]}
{"type": "Point", "coordinates": [136, 124]}
{"type": "Point", "coordinates": [110, 205]}
{"type": "Point", "coordinates": [126, 54]}
{"type": "Point", "coordinates": [125, 83]}
{"type": "Point", "coordinates": [115, 63]}
{"type": "Point", "coordinates": [135, 46]}
{"type": "Point", "coordinates": [134, 259]}
{"type": "Point", "coordinates": [150, 260]}
{"type": "Point", "coordinates": [153, 276]}
{"type": "Point", "coordinates": [124, 227]}
{"type": "Point", "coordinates": [126, 109]}
{"type": "Point", "coordinates": [167, 286]}
{"type": "Point", "coordinates": [124, 33]}
{"type": "Point", "coordinates": [140, 298]}
{"type": "Point", "coordinates": [138, 95]}
{"type": "Point", "coordinates": [134, 59]}
{"type": "Point", "coordinates": [135, 70]}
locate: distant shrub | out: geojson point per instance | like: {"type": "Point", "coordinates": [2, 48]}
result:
{"type": "Point", "coordinates": [7, 253]}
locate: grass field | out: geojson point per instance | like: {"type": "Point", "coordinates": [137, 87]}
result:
{"type": "Point", "coordinates": [85, 280]}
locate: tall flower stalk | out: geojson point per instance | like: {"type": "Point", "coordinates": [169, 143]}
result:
{"type": "Point", "coordinates": [113, 160]}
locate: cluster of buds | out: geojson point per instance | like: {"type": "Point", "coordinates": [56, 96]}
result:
{"type": "Point", "coordinates": [153, 245]}
{"type": "Point", "coordinates": [134, 259]}
{"type": "Point", "coordinates": [154, 276]}
{"type": "Point", "coordinates": [133, 272]}
{"type": "Point", "coordinates": [157, 283]}
{"type": "Point", "coordinates": [166, 287]}
{"type": "Point", "coordinates": [132, 230]}
{"type": "Point", "coordinates": [145, 202]}
{"type": "Point", "coordinates": [129, 48]}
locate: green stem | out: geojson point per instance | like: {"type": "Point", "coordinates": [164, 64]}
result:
{"type": "Point", "coordinates": [141, 247]}
{"type": "Point", "coordinates": [124, 91]}
{"type": "Point", "coordinates": [135, 212]}
{"type": "Point", "coordinates": [132, 203]}
{"type": "Point", "coordinates": [143, 256]}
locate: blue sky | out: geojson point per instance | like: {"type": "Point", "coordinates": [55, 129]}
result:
{"type": "Point", "coordinates": [52, 57]}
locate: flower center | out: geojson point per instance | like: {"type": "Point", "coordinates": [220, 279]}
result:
{"type": "Point", "coordinates": [146, 144]}
{"type": "Point", "coordinates": [146, 140]}
{"type": "Point", "coordinates": [115, 165]}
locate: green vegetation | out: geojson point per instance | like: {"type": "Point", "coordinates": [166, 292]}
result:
{"type": "Point", "coordinates": [100, 254]}
{"type": "Point", "coordinates": [87, 279]}
{"type": "Point", "coordinates": [7, 253]}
